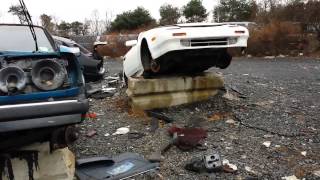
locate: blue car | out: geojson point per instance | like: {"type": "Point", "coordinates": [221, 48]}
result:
{"type": "Point", "coordinates": [42, 88]}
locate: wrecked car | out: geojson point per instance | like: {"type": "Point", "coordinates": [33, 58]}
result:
{"type": "Point", "coordinates": [183, 48]}
{"type": "Point", "coordinates": [42, 92]}
{"type": "Point", "coordinates": [92, 62]}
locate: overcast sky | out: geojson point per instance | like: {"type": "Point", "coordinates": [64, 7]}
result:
{"type": "Point", "coordinates": [72, 10]}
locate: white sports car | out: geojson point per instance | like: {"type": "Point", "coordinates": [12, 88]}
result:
{"type": "Point", "coordinates": [183, 48]}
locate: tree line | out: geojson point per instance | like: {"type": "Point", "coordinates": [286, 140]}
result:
{"type": "Point", "coordinates": [263, 11]}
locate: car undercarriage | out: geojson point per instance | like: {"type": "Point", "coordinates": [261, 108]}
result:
{"type": "Point", "coordinates": [191, 61]}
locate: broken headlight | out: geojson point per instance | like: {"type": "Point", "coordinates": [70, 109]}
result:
{"type": "Point", "coordinates": [12, 79]}
{"type": "Point", "coordinates": [48, 75]}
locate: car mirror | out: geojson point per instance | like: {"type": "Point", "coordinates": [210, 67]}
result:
{"type": "Point", "coordinates": [73, 50]}
{"type": "Point", "coordinates": [131, 43]}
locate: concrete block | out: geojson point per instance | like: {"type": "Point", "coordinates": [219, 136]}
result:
{"type": "Point", "coordinates": [59, 164]}
{"type": "Point", "coordinates": [140, 86]}
{"type": "Point", "coordinates": [152, 101]}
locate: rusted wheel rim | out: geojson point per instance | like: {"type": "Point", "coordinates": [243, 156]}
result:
{"type": "Point", "coordinates": [155, 67]}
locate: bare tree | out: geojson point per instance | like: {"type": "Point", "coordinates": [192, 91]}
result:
{"type": "Point", "coordinates": [97, 26]}
{"type": "Point", "coordinates": [108, 20]}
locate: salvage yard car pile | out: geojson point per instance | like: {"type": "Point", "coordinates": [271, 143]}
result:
{"type": "Point", "coordinates": [183, 48]}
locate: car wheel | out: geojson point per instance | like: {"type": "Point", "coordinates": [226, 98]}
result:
{"type": "Point", "coordinates": [155, 67]}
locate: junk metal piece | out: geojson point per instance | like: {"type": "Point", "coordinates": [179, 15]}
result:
{"type": "Point", "coordinates": [159, 115]}
{"type": "Point", "coordinates": [135, 135]}
{"type": "Point", "coordinates": [210, 162]}
{"type": "Point", "coordinates": [124, 166]}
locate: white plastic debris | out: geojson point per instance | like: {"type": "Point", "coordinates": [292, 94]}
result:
{"type": "Point", "coordinates": [269, 57]}
{"type": "Point", "coordinates": [230, 121]}
{"type": "Point", "coordinates": [122, 130]}
{"type": "Point", "coordinates": [267, 144]}
{"type": "Point", "coordinates": [227, 163]}
{"type": "Point", "coordinates": [317, 173]}
{"type": "Point", "coordinates": [293, 177]}
{"type": "Point", "coordinates": [249, 169]}
{"type": "Point", "coordinates": [304, 153]}
{"type": "Point", "coordinates": [105, 89]}
{"type": "Point", "coordinates": [230, 96]}
{"type": "Point", "coordinates": [106, 134]}
{"type": "Point", "coordinates": [268, 136]}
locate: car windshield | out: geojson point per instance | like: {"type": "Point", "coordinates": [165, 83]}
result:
{"type": "Point", "coordinates": [19, 38]}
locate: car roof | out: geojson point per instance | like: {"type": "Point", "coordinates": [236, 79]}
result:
{"type": "Point", "coordinates": [66, 40]}
{"type": "Point", "coordinates": [4, 24]}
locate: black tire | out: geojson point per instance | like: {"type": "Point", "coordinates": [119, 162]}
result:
{"type": "Point", "coordinates": [224, 61]}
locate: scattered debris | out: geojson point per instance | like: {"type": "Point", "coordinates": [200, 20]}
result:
{"type": "Point", "coordinates": [154, 124]}
{"type": "Point", "coordinates": [122, 131]}
{"type": "Point", "coordinates": [155, 157]}
{"type": "Point", "coordinates": [112, 80]}
{"type": "Point", "coordinates": [106, 89]}
{"type": "Point", "coordinates": [124, 166]}
{"type": "Point", "coordinates": [92, 88]}
{"type": "Point", "coordinates": [90, 115]}
{"type": "Point", "coordinates": [188, 138]}
{"type": "Point", "coordinates": [230, 121]}
{"type": "Point", "coordinates": [208, 163]}
{"type": "Point", "coordinates": [231, 97]}
{"type": "Point", "coordinates": [135, 135]}
{"type": "Point", "coordinates": [99, 91]}
{"type": "Point", "coordinates": [91, 133]}
{"type": "Point", "coordinates": [269, 57]}
{"type": "Point", "coordinates": [267, 144]}
{"type": "Point", "coordinates": [228, 167]}
{"type": "Point", "coordinates": [219, 116]}
{"type": "Point", "coordinates": [268, 136]}
{"type": "Point", "coordinates": [235, 89]}
{"type": "Point", "coordinates": [304, 153]}
{"type": "Point", "coordinates": [293, 177]}
{"type": "Point", "coordinates": [265, 104]}
{"type": "Point", "coordinates": [172, 142]}
{"type": "Point", "coordinates": [159, 116]}
{"type": "Point", "coordinates": [249, 169]}
{"type": "Point", "coordinates": [317, 173]}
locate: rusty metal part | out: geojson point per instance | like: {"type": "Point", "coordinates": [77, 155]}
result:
{"type": "Point", "coordinates": [63, 137]}
{"type": "Point", "coordinates": [12, 79]}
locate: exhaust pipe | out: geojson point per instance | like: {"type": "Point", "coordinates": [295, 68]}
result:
{"type": "Point", "coordinates": [12, 79]}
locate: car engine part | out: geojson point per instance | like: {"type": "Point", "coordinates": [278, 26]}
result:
{"type": "Point", "coordinates": [12, 79]}
{"type": "Point", "coordinates": [48, 75]}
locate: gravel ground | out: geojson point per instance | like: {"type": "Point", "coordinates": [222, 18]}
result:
{"type": "Point", "coordinates": [276, 100]}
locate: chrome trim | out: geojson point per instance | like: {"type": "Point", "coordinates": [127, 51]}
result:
{"type": "Point", "coordinates": [38, 104]}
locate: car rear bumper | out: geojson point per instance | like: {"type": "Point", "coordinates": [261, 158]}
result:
{"type": "Point", "coordinates": [42, 114]}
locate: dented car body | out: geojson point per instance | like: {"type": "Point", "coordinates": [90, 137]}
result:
{"type": "Point", "coordinates": [41, 92]}
{"type": "Point", "coordinates": [183, 48]}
